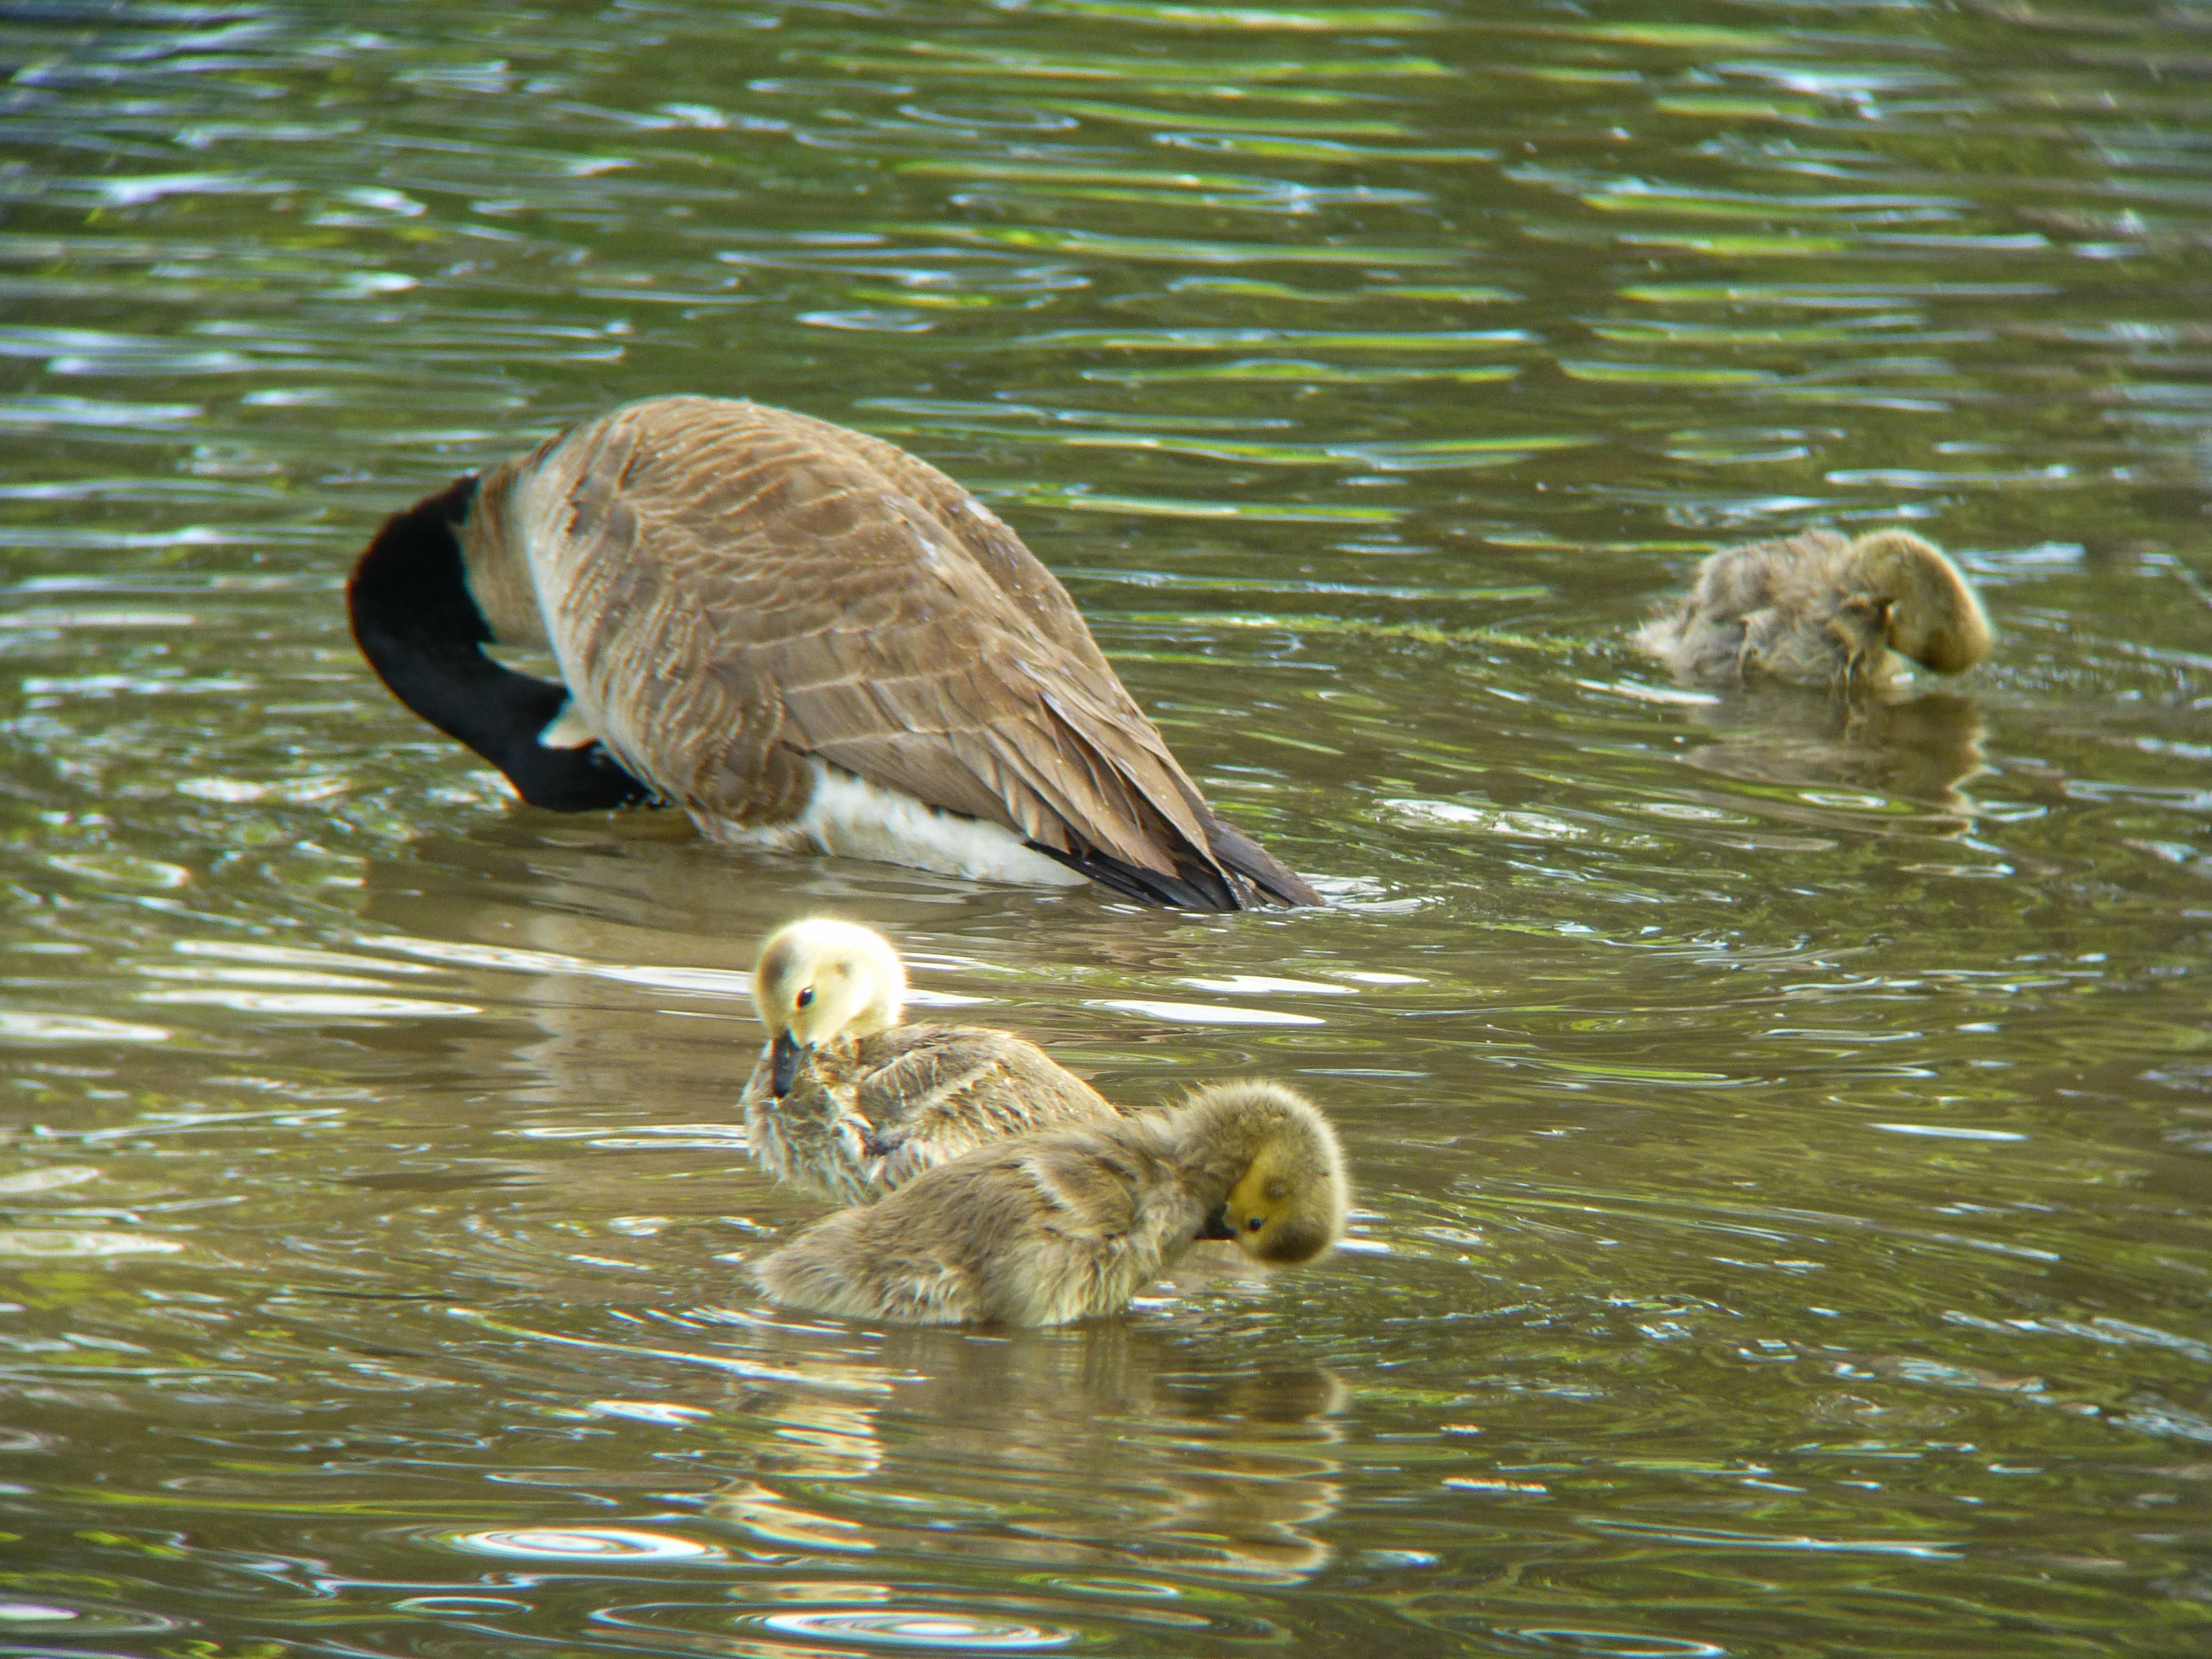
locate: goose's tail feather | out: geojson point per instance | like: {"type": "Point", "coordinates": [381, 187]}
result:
{"type": "Point", "coordinates": [1255, 876]}
{"type": "Point", "coordinates": [1247, 858]}
{"type": "Point", "coordinates": [1193, 887]}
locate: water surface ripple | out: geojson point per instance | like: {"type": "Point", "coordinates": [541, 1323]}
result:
{"type": "Point", "coordinates": [1782, 1137]}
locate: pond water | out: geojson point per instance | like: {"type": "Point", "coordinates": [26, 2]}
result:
{"type": "Point", "coordinates": [1782, 1142]}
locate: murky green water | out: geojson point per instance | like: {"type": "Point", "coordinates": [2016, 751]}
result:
{"type": "Point", "coordinates": [1784, 1150]}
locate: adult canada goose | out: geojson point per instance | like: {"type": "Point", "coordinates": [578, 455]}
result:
{"type": "Point", "coordinates": [801, 636]}
{"type": "Point", "coordinates": [1070, 1223]}
{"type": "Point", "coordinates": [1818, 610]}
{"type": "Point", "coordinates": [851, 1103]}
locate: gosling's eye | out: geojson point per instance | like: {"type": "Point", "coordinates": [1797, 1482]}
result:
{"type": "Point", "coordinates": [1255, 1224]}
{"type": "Point", "coordinates": [806, 998]}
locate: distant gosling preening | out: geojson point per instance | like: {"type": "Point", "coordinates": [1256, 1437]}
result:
{"type": "Point", "coordinates": [1818, 610]}
{"type": "Point", "coordinates": [1071, 1223]}
{"type": "Point", "coordinates": [850, 1104]}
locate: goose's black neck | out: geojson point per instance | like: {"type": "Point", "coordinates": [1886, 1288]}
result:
{"type": "Point", "coordinates": [418, 625]}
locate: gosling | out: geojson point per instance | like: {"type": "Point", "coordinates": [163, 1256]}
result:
{"type": "Point", "coordinates": [1071, 1224]}
{"type": "Point", "coordinates": [1817, 610]}
{"type": "Point", "coordinates": [849, 1104]}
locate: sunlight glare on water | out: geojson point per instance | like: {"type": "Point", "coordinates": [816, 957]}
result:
{"type": "Point", "coordinates": [1782, 1133]}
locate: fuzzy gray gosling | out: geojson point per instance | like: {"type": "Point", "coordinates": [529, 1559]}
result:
{"type": "Point", "coordinates": [1071, 1223]}
{"type": "Point", "coordinates": [1817, 610]}
{"type": "Point", "coordinates": [848, 1103]}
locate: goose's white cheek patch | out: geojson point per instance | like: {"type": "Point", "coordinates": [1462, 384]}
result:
{"type": "Point", "coordinates": [568, 729]}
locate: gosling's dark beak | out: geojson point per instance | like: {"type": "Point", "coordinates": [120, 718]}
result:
{"type": "Point", "coordinates": [783, 1063]}
{"type": "Point", "coordinates": [1216, 1224]}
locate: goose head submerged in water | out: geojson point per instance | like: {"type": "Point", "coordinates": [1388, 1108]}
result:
{"type": "Point", "coordinates": [1818, 610]}
{"type": "Point", "coordinates": [819, 980]}
{"type": "Point", "coordinates": [804, 637]}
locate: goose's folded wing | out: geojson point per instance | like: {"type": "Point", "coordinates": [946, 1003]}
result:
{"type": "Point", "coordinates": [1017, 571]}
{"type": "Point", "coordinates": [803, 598]}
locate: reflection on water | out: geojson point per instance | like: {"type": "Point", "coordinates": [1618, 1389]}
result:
{"type": "Point", "coordinates": [1888, 753]}
{"type": "Point", "coordinates": [1780, 1122]}
{"type": "Point", "coordinates": [1089, 1454]}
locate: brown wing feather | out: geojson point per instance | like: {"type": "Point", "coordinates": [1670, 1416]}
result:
{"type": "Point", "coordinates": [814, 592]}
{"type": "Point", "coordinates": [1034, 589]}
